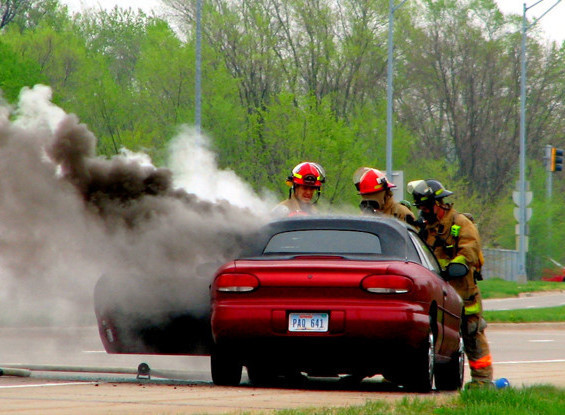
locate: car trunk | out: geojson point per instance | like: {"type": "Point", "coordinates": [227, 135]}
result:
{"type": "Point", "coordinates": [328, 286]}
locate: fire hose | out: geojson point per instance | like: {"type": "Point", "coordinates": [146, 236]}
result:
{"type": "Point", "coordinates": [143, 371]}
{"type": "Point", "coordinates": [9, 371]}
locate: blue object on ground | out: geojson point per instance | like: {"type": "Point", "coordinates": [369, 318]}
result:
{"type": "Point", "coordinates": [501, 383]}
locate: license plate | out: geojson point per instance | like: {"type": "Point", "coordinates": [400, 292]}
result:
{"type": "Point", "coordinates": [317, 322]}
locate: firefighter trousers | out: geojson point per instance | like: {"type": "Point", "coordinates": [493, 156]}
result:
{"type": "Point", "coordinates": [477, 347]}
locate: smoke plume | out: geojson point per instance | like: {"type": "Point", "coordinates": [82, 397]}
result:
{"type": "Point", "coordinates": [68, 216]}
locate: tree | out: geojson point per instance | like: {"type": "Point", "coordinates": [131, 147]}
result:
{"type": "Point", "coordinates": [462, 89]}
{"type": "Point", "coordinates": [9, 9]}
{"type": "Point", "coordinates": [117, 35]}
{"type": "Point", "coordinates": [322, 48]}
{"type": "Point", "coordinates": [46, 12]}
{"type": "Point", "coordinates": [16, 72]}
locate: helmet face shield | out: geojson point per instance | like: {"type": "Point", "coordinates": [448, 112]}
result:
{"type": "Point", "coordinates": [421, 192]}
{"type": "Point", "coordinates": [358, 174]}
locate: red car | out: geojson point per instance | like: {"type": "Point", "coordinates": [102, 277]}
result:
{"type": "Point", "coordinates": [331, 296]}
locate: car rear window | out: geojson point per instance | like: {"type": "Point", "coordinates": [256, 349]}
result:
{"type": "Point", "coordinates": [324, 242]}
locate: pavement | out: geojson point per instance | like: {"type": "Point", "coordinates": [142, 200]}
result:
{"type": "Point", "coordinates": [526, 300]}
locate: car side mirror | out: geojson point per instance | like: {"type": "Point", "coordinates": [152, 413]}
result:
{"type": "Point", "coordinates": [455, 270]}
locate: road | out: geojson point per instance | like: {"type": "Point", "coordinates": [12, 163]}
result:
{"type": "Point", "coordinates": [530, 300]}
{"type": "Point", "coordinates": [525, 354]}
{"type": "Point", "coordinates": [84, 380]}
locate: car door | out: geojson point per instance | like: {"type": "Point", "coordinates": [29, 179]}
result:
{"type": "Point", "coordinates": [430, 262]}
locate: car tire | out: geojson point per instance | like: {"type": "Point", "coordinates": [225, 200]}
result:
{"type": "Point", "coordinates": [260, 375]}
{"type": "Point", "coordinates": [225, 368]}
{"type": "Point", "coordinates": [421, 376]}
{"type": "Point", "coordinates": [449, 376]}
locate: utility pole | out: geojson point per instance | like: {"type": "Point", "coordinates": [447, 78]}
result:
{"type": "Point", "coordinates": [549, 169]}
{"type": "Point", "coordinates": [198, 69]}
{"type": "Point", "coordinates": [389, 87]}
{"type": "Point", "coordinates": [522, 276]}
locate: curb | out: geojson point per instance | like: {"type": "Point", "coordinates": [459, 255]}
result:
{"type": "Point", "coordinates": [527, 326]}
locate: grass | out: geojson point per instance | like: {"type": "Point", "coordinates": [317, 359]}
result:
{"type": "Point", "coordinates": [538, 400]}
{"type": "Point", "coordinates": [499, 288]}
{"type": "Point", "coordinates": [526, 315]}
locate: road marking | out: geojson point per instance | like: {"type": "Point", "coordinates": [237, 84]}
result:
{"type": "Point", "coordinates": [541, 341]}
{"type": "Point", "coordinates": [94, 351]}
{"type": "Point", "coordinates": [47, 384]}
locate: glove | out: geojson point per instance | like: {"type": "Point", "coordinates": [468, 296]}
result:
{"type": "Point", "coordinates": [443, 262]}
{"type": "Point", "coordinates": [459, 259]}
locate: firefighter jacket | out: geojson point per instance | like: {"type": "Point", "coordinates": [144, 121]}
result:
{"type": "Point", "coordinates": [398, 210]}
{"type": "Point", "coordinates": [455, 238]}
{"type": "Point", "coordinates": [390, 208]}
{"type": "Point", "coordinates": [292, 207]}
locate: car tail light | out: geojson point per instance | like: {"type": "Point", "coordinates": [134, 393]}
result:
{"type": "Point", "coordinates": [387, 284]}
{"type": "Point", "coordinates": [236, 283]}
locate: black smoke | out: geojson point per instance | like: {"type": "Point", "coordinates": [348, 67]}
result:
{"type": "Point", "coordinates": [69, 217]}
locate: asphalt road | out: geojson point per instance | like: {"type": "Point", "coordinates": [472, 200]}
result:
{"type": "Point", "coordinates": [70, 373]}
{"type": "Point", "coordinates": [532, 300]}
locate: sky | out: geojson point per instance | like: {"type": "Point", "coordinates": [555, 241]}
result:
{"type": "Point", "coordinates": [551, 24]}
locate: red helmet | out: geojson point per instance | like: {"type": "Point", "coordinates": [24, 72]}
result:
{"type": "Point", "coordinates": [374, 181]}
{"type": "Point", "coordinates": [308, 174]}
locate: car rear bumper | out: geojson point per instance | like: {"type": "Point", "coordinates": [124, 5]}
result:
{"type": "Point", "coordinates": [367, 340]}
{"type": "Point", "coordinates": [401, 322]}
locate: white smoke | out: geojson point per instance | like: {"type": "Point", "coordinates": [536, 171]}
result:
{"type": "Point", "coordinates": [36, 111]}
{"type": "Point", "coordinates": [195, 170]}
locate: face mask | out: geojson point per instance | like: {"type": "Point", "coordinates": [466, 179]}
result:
{"type": "Point", "coordinates": [369, 206]}
{"type": "Point", "coordinates": [429, 217]}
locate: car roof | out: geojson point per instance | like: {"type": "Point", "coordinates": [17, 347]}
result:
{"type": "Point", "coordinates": [393, 233]}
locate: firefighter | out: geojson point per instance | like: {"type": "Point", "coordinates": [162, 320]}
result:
{"type": "Point", "coordinates": [454, 238]}
{"type": "Point", "coordinates": [377, 197]}
{"type": "Point", "coordinates": [305, 183]}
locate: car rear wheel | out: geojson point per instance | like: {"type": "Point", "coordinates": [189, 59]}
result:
{"type": "Point", "coordinates": [261, 374]}
{"type": "Point", "coordinates": [421, 376]}
{"type": "Point", "coordinates": [449, 376]}
{"type": "Point", "coordinates": [226, 368]}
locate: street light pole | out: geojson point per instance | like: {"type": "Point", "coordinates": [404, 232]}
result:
{"type": "Point", "coordinates": [522, 276]}
{"type": "Point", "coordinates": [198, 69]}
{"type": "Point", "coordinates": [389, 90]}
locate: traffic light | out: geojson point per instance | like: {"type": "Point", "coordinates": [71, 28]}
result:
{"type": "Point", "coordinates": [556, 159]}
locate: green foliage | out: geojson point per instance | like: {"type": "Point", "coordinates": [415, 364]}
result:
{"type": "Point", "coordinates": [116, 35]}
{"type": "Point", "coordinates": [546, 224]}
{"type": "Point", "coordinates": [294, 129]}
{"type": "Point", "coordinates": [529, 315]}
{"type": "Point", "coordinates": [499, 288]}
{"type": "Point", "coordinates": [16, 72]}
{"type": "Point", "coordinates": [50, 13]}
{"type": "Point", "coordinates": [287, 81]}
